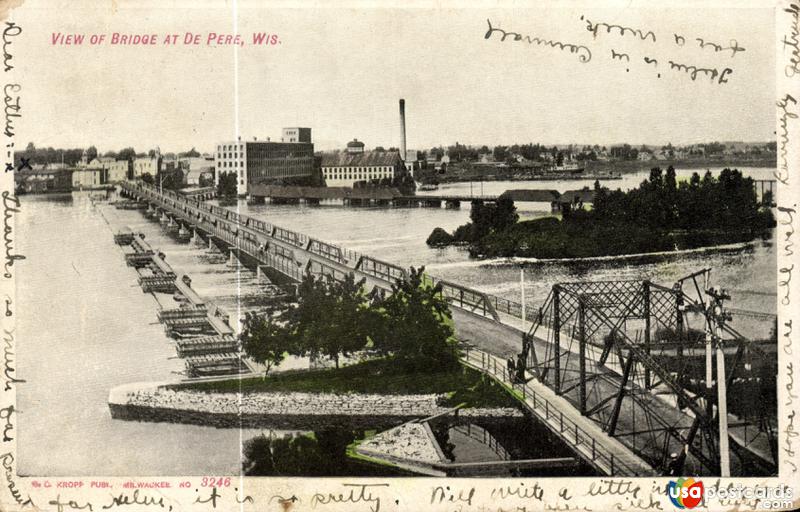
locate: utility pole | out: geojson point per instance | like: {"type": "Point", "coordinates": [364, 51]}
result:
{"type": "Point", "coordinates": [522, 294]}
{"type": "Point", "coordinates": [717, 317]}
{"type": "Point", "coordinates": [709, 349]}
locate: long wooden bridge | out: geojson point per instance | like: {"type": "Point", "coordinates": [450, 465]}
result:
{"type": "Point", "coordinates": [492, 326]}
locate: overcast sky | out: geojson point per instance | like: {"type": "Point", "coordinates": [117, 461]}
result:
{"type": "Point", "coordinates": [341, 72]}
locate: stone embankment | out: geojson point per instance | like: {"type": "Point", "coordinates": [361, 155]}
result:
{"type": "Point", "coordinates": [289, 411]}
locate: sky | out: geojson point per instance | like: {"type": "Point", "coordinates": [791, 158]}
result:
{"type": "Point", "coordinates": [341, 71]}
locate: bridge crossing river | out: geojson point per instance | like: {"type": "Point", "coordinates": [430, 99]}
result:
{"type": "Point", "coordinates": [490, 324]}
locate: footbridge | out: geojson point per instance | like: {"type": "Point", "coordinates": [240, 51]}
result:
{"type": "Point", "coordinates": [568, 375]}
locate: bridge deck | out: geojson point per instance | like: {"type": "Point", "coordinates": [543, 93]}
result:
{"type": "Point", "coordinates": [605, 453]}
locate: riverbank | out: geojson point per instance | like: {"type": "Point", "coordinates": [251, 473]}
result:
{"type": "Point", "coordinates": [151, 402]}
{"type": "Point", "coordinates": [639, 258]}
{"type": "Point", "coordinates": [602, 170]}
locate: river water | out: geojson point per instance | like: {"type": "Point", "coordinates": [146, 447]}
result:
{"type": "Point", "coordinates": [84, 326]}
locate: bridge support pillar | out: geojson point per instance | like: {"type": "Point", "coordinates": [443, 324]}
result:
{"type": "Point", "coordinates": [233, 260]}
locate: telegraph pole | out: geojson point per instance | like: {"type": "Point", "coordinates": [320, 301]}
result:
{"type": "Point", "coordinates": [522, 293]}
{"type": "Point", "coordinates": [709, 350]}
{"type": "Point", "coordinates": [717, 316]}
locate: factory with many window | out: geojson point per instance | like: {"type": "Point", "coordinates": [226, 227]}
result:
{"type": "Point", "coordinates": [267, 161]}
{"type": "Point", "coordinates": [355, 165]}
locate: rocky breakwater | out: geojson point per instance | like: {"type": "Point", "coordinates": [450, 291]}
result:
{"type": "Point", "coordinates": [288, 411]}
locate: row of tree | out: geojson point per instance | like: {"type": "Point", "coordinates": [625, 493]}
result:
{"type": "Point", "coordinates": [337, 318]}
{"type": "Point", "coordinates": [661, 214]}
{"type": "Point", "coordinates": [485, 218]}
{"type": "Point", "coordinates": [72, 157]}
{"type": "Point", "coordinates": [726, 203]}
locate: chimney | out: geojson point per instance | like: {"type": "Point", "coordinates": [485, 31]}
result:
{"type": "Point", "coordinates": [403, 129]}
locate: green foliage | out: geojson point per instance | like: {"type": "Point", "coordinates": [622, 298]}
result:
{"type": "Point", "coordinates": [382, 376]}
{"type": "Point", "coordinates": [226, 185]}
{"type": "Point", "coordinates": [417, 326]}
{"type": "Point", "coordinates": [331, 318]}
{"type": "Point", "coordinates": [486, 218]}
{"type": "Point", "coordinates": [323, 454]}
{"type": "Point", "coordinates": [335, 318]}
{"type": "Point", "coordinates": [265, 340]}
{"type": "Point", "coordinates": [171, 180]}
{"type": "Point", "coordinates": [661, 214]}
{"type": "Point", "coordinates": [189, 154]}
{"type": "Point", "coordinates": [439, 238]}
{"type": "Point", "coordinates": [205, 180]}
{"type": "Point", "coordinates": [126, 154]}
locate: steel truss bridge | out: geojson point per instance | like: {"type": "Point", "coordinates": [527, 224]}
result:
{"type": "Point", "coordinates": [631, 355]}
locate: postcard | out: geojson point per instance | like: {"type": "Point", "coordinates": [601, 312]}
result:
{"type": "Point", "coordinates": [400, 256]}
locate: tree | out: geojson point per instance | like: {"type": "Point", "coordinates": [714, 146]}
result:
{"type": "Point", "coordinates": [226, 186]}
{"type": "Point", "coordinates": [147, 178]}
{"type": "Point", "coordinates": [417, 326]}
{"type": "Point", "coordinates": [206, 180]}
{"type": "Point", "coordinates": [171, 180]}
{"type": "Point", "coordinates": [380, 149]}
{"type": "Point", "coordinates": [192, 153]}
{"type": "Point", "coordinates": [504, 214]}
{"type": "Point", "coordinates": [126, 154]}
{"type": "Point", "coordinates": [265, 340]}
{"type": "Point", "coordinates": [331, 318]}
{"type": "Point", "coordinates": [91, 153]}
{"type": "Point", "coordinates": [323, 454]}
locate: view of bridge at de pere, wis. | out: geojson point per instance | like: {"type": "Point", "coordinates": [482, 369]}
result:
{"type": "Point", "coordinates": [513, 310]}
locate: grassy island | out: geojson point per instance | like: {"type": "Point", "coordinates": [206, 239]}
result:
{"type": "Point", "coordinates": [661, 214]}
{"type": "Point", "coordinates": [460, 384]}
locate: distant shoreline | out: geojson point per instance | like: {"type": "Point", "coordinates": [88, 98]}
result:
{"type": "Point", "coordinates": [637, 257]}
{"type": "Point", "coordinates": [601, 170]}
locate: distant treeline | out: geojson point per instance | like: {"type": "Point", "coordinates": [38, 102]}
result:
{"type": "Point", "coordinates": [660, 215]}
{"type": "Point", "coordinates": [72, 156]}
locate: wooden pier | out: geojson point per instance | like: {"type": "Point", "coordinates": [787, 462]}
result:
{"type": "Point", "coordinates": [203, 338]}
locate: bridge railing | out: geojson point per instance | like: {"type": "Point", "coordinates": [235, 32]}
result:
{"type": "Point", "coordinates": [459, 296]}
{"type": "Point", "coordinates": [545, 410]}
{"type": "Point", "coordinates": [284, 266]}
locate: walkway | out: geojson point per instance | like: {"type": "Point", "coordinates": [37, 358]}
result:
{"type": "Point", "coordinates": [584, 436]}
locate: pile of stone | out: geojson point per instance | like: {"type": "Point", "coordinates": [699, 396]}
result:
{"type": "Point", "coordinates": [409, 441]}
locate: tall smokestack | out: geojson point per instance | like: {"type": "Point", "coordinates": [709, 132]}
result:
{"type": "Point", "coordinates": [403, 129]}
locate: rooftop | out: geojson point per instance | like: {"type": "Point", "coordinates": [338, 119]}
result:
{"type": "Point", "coordinates": [370, 158]}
